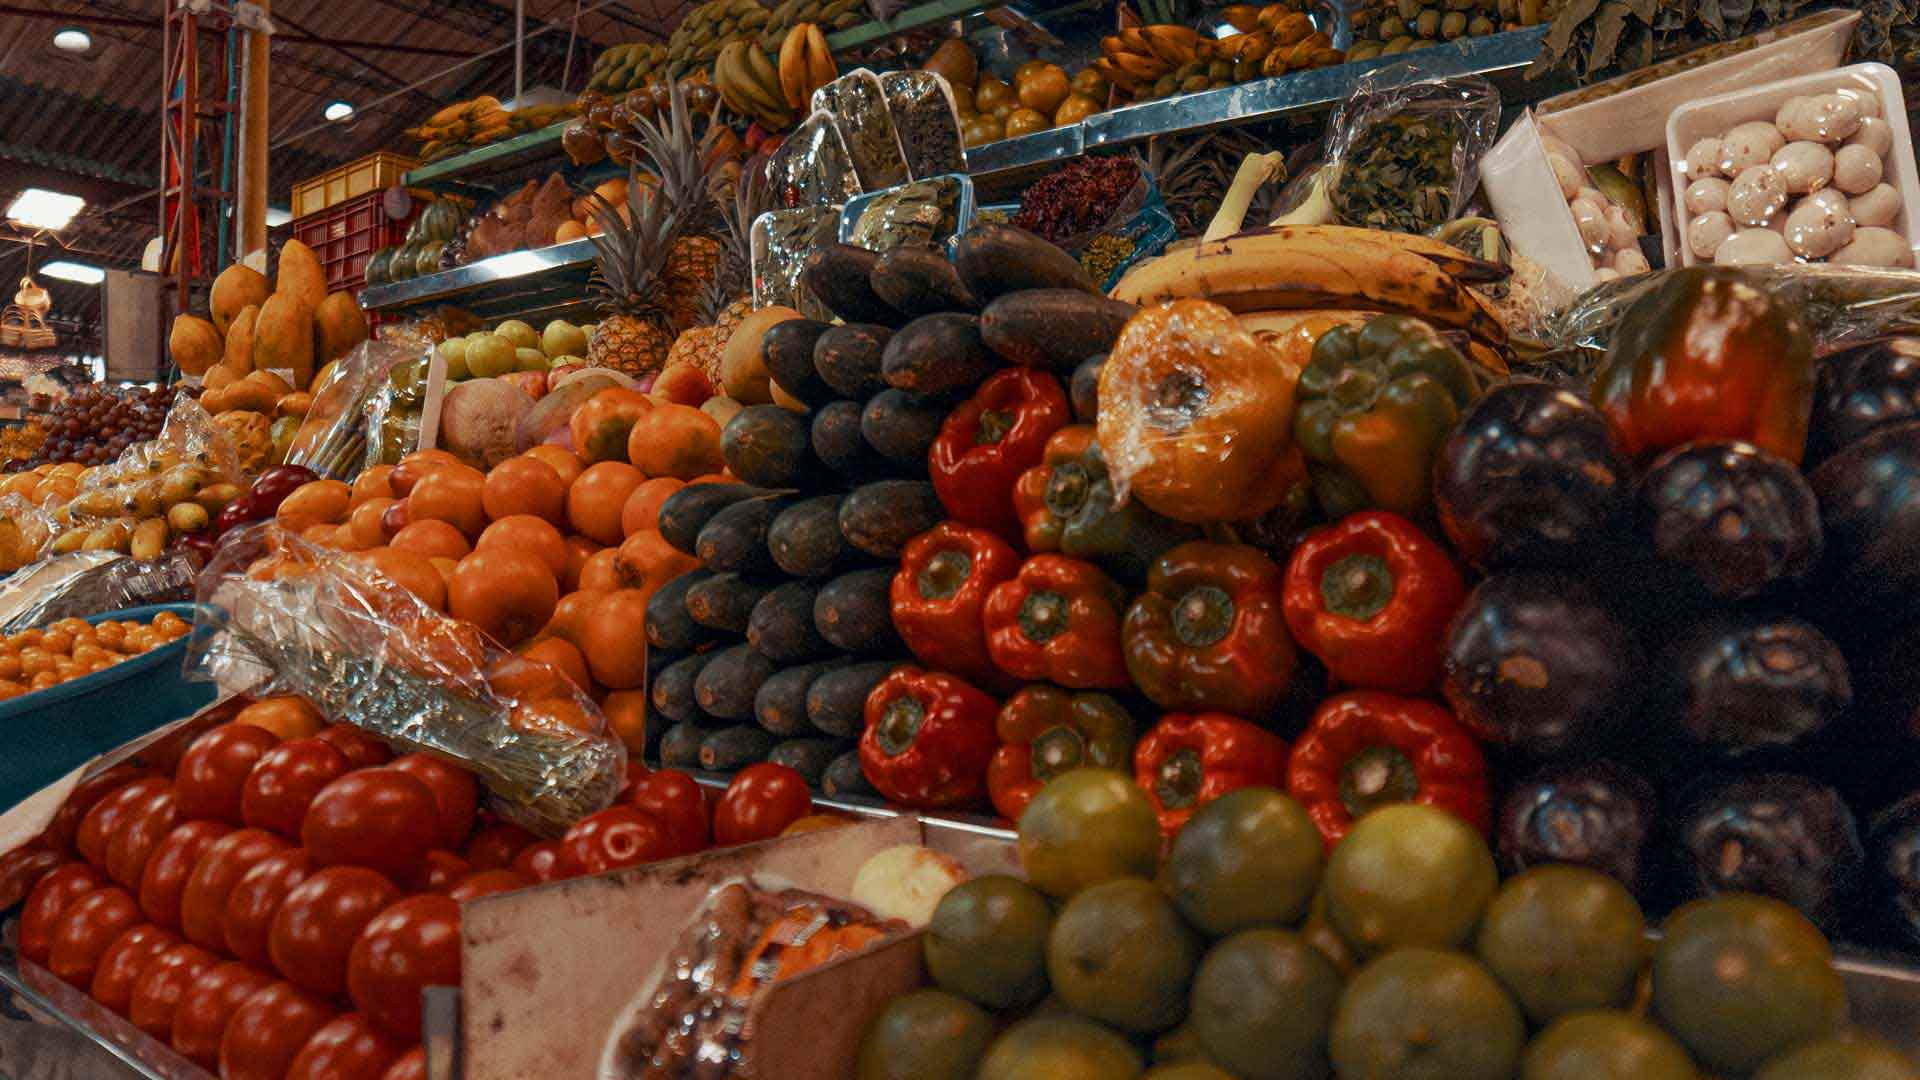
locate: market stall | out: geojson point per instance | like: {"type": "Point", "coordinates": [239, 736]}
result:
{"type": "Point", "coordinates": [1254, 542]}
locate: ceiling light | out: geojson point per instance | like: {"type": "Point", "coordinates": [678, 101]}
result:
{"type": "Point", "coordinates": [73, 271]}
{"type": "Point", "coordinates": [70, 39]}
{"type": "Point", "coordinates": [277, 217]}
{"type": "Point", "coordinates": [337, 110]}
{"type": "Point", "coordinates": [38, 208]}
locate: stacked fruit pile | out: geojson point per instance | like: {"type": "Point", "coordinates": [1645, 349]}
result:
{"type": "Point", "coordinates": [1149, 62]}
{"type": "Point", "coordinates": [463, 125]}
{"type": "Point", "coordinates": [423, 249]}
{"type": "Point", "coordinates": [92, 425]}
{"type": "Point", "coordinates": [70, 649]}
{"type": "Point", "coordinates": [153, 497]}
{"type": "Point", "coordinates": [1390, 27]}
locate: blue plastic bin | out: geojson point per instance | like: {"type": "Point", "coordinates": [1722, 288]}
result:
{"type": "Point", "coordinates": [47, 734]}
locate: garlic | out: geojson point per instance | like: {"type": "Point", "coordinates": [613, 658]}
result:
{"type": "Point", "coordinates": [1876, 247]}
{"type": "Point", "coordinates": [1814, 231]}
{"type": "Point", "coordinates": [1703, 159]}
{"type": "Point", "coordinates": [1875, 135]}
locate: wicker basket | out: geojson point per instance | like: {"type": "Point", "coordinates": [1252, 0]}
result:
{"type": "Point", "coordinates": [24, 328]}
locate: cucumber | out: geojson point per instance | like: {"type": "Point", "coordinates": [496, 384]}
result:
{"type": "Point", "coordinates": [839, 276]}
{"type": "Point", "coordinates": [843, 776]}
{"type": "Point", "coordinates": [724, 602]}
{"type": "Point", "coordinates": [838, 444]}
{"type": "Point", "coordinates": [880, 518]}
{"type": "Point", "coordinates": [1084, 389]}
{"type": "Point", "coordinates": [787, 352]}
{"type": "Point", "coordinates": [724, 689]}
{"type": "Point", "coordinates": [1053, 329]}
{"type": "Point", "coordinates": [808, 757]}
{"type": "Point", "coordinates": [782, 625]}
{"type": "Point", "coordinates": [734, 747]}
{"type": "Point", "coordinates": [918, 281]}
{"type": "Point", "coordinates": [669, 626]}
{"type": "Point", "coordinates": [768, 445]}
{"type": "Point", "coordinates": [687, 511]}
{"type": "Point", "coordinates": [935, 354]}
{"type": "Point", "coordinates": [995, 260]}
{"type": "Point", "coordinates": [805, 539]}
{"type": "Point", "coordinates": [849, 359]}
{"type": "Point", "coordinates": [781, 704]}
{"type": "Point", "coordinates": [901, 426]}
{"type": "Point", "coordinates": [735, 540]}
{"type": "Point", "coordinates": [671, 691]}
{"type": "Point", "coordinates": [837, 700]}
{"type": "Point", "coordinates": [854, 611]}
{"type": "Point", "coordinates": [680, 746]}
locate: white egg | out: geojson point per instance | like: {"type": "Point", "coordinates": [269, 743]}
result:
{"type": "Point", "coordinates": [1876, 247]}
{"type": "Point", "coordinates": [1814, 231]}
{"type": "Point", "coordinates": [1877, 207]}
{"type": "Point", "coordinates": [1805, 166]}
{"type": "Point", "coordinates": [1856, 170]}
{"type": "Point", "coordinates": [1875, 135]}
{"type": "Point", "coordinates": [1629, 261]}
{"type": "Point", "coordinates": [1707, 232]}
{"type": "Point", "coordinates": [1703, 159]}
{"type": "Point", "coordinates": [1750, 144]}
{"type": "Point", "coordinates": [1753, 247]}
{"type": "Point", "coordinates": [1757, 194]}
{"type": "Point", "coordinates": [1709, 193]}
{"type": "Point", "coordinates": [1571, 176]}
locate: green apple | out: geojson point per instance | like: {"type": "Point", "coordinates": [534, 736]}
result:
{"type": "Point", "coordinates": [562, 338]}
{"type": "Point", "coordinates": [454, 352]}
{"type": "Point", "coordinates": [529, 360]}
{"type": "Point", "coordinates": [490, 355]}
{"type": "Point", "coordinates": [519, 333]}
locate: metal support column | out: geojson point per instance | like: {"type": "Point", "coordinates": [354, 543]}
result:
{"type": "Point", "coordinates": [192, 125]}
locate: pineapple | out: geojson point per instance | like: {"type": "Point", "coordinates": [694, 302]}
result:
{"type": "Point", "coordinates": [726, 298]}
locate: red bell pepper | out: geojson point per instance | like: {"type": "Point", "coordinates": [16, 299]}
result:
{"type": "Point", "coordinates": [1365, 749]}
{"type": "Point", "coordinates": [1371, 596]}
{"type": "Point", "coordinates": [928, 738]}
{"type": "Point", "coordinates": [680, 804]}
{"type": "Point", "coordinates": [990, 439]}
{"type": "Point", "coordinates": [1058, 619]}
{"type": "Point", "coordinates": [1045, 731]}
{"type": "Point", "coordinates": [1207, 634]}
{"type": "Point", "coordinates": [1190, 759]}
{"type": "Point", "coordinates": [945, 575]}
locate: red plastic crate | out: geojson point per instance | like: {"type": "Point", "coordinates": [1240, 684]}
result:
{"type": "Point", "coordinates": [344, 235]}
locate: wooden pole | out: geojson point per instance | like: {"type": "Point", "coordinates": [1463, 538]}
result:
{"type": "Point", "coordinates": [251, 205]}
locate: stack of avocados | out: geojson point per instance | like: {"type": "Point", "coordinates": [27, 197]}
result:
{"type": "Point", "coordinates": [768, 652]}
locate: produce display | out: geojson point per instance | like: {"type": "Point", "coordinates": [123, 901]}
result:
{"type": "Point", "coordinates": [429, 244]}
{"type": "Point", "coordinates": [92, 425]}
{"type": "Point", "coordinates": [478, 121]}
{"type": "Point", "coordinates": [74, 648]}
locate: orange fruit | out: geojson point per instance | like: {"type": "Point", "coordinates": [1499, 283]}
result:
{"type": "Point", "coordinates": [554, 716]}
{"type": "Point", "coordinates": [533, 535]}
{"type": "Point", "coordinates": [508, 594]}
{"type": "Point", "coordinates": [288, 716]}
{"type": "Point", "coordinates": [432, 538]}
{"type": "Point", "coordinates": [647, 561]}
{"type": "Point", "coordinates": [601, 570]}
{"type": "Point", "coordinates": [682, 384]}
{"type": "Point", "coordinates": [364, 521]}
{"type": "Point", "coordinates": [642, 509]}
{"type": "Point", "coordinates": [57, 641]}
{"type": "Point", "coordinates": [411, 571]}
{"type": "Point", "coordinates": [675, 440]}
{"type": "Point", "coordinates": [375, 483]}
{"type": "Point", "coordinates": [10, 664]}
{"type": "Point", "coordinates": [626, 713]}
{"type": "Point", "coordinates": [562, 654]}
{"type": "Point", "coordinates": [414, 466]}
{"type": "Point", "coordinates": [601, 424]}
{"type": "Point", "coordinates": [525, 485]}
{"type": "Point", "coordinates": [579, 550]}
{"type": "Point", "coordinates": [569, 616]}
{"type": "Point", "coordinates": [559, 459]}
{"type": "Point", "coordinates": [615, 644]}
{"type": "Point", "coordinates": [450, 493]}
{"type": "Point", "coordinates": [595, 500]}
{"type": "Point", "coordinates": [318, 534]}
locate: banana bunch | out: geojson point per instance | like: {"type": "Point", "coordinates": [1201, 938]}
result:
{"type": "Point", "coordinates": [828, 14]}
{"type": "Point", "coordinates": [464, 123]}
{"type": "Point", "coordinates": [750, 85]}
{"type": "Point", "coordinates": [624, 67]}
{"type": "Point", "coordinates": [535, 117]}
{"type": "Point", "coordinates": [1135, 58]}
{"type": "Point", "coordinates": [1159, 61]}
{"type": "Point", "coordinates": [697, 41]}
{"type": "Point", "coordinates": [805, 65]}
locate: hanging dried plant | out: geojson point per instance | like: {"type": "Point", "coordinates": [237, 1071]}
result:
{"type": "Point", "coordinates": [1593, 40]}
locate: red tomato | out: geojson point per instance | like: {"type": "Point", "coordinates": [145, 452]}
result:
{"type": "Point", "coordinates": [158, 992]}
{"type": "Point", "coordinates": [377, 818]}
{"type": "Point", "coordinates": [82, 935]}
{"type": "Point", "coordinates": [488, 882]}
{"type": "Point", "coordinates": [214, 770]}
{"type": "Point", "coordinates": [317, 925]}
{"type": "Point", "coordinates": [411, 1066]}
{"type": "Point", "coordinates": [676, 799]}
{"type": "Point", "coordinates": [762, 800]}
{"type": "Point", "coordinates": [201, 1018]}
{"type": "Point", "coordinates": [110, 815]}
{"type": "Point", "coordinates": [64, 829]}
{"type": "Point", "coordinates": [615, 837]}
{"type": "Point", "coordinates": [545, 861]}
{"type": "Point", "coordinates": [494, 846]}
{"type": "Point", "coordinates": [257, 898]}
{"type": "Point", "coordinates": [440, 873]}
{"type": "Point", "coordinates": [147, 825]}
{"type": "Point", "coordinates": [23, 867]}
{"type": "Point", "coordinates": [363, 750]}
{"type": "Point", "coordinates": [123, 963]}
{"type": "Point", "coordinates": [172, 863]}
{"type": "Point", "coordinates": [413, 944]}
{"type": "Point", "coordinates": [203, 904]}
{"type": "Point", "coordinates": [277, 791]}
{"type": "Point", "coordinates": [636, 771]}
{"type": "Point", "coordinates": [454, 793]}
{"type": "Point", "coordinates": [49, 900]}
{"type": "Point", "coordinates": [268, 1031]}
{"type": "Point", "coordinates": [348, 1048]}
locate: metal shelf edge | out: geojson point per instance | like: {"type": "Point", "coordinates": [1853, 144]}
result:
{"type": "Point", "coordinates": [511, 267]}
{"type": "Point", "coordinates": [451, 169]}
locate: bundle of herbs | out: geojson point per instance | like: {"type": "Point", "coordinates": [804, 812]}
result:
{"type": "Point", "coordinates": [1592, 40]}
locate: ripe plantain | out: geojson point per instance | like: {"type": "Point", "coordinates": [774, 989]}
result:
{"type": "Point", "coordinates": [793, 67]}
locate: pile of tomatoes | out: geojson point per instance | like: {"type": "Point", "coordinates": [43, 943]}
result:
{"type": "Point", "coordinates": [71, 648]}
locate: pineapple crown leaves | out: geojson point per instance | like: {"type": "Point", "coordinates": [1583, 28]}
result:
{"type": "Point", "coordinates": [632, 249]}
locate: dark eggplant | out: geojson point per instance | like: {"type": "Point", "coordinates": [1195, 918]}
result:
{"type": "Point", "coordinates": [1870, 506]}
{"type": "Point", "coordinates": [836, 702]}
{"type": "Point", "coordinates": [843, 776]}
{"type": "Point", "coordinates": [1532, 476]}
{"type": "Point", "coordinates": [781, 626]}
{"type": "Point", "coordinates": [671, 691]}
{"type": "Point", "coordinates": [1893, 845]}
{"type": "Point", "coordinates": [735, 539]}
{"type": "Point", "coordinates": [809, 757]}
{"type": "Point", "coordinates": [787, 352]}
{"type": "Point", "coordinates": [769, 446]}
{"type": "Point", "coordinates": [998, 259]}
{"type": "Point", "coordinates": [853, 611]}
{"type": "Point", "coordinates": [735, 747]}
{"type": "Point", "coordinates": [688, 510]}
{"type": "Point", "coordinates": [849, 359]}
{"type": "Point", "coordinates": [838, 443]}
{"type": "Point", "coordinates": [902, 425]}
{"type": "Point", "coordinates": [1776, 834]}
{"type": "Point", "coordinates": [680, 746]}
{"type": "Point", "coordinates": [669, 624]}
{"type": "Point", "coordinates": [840, 276]}
{"type": "Point", "coordinates": [1860, 390]}
{"type": "Point", "coordinates": [936, 354]}
{"type": "Point", "coordinates": [919, 281]}
{"type": "Point", "coordinates": [1594, 813]}
{"type": "Point", "coordinates": [1536, 664]}
{"type": "Point", "coordinates": [1053, 329]}
{"type": "Point", "coordinates": [726, 686]}
{"type": "Point", "coordinates": [780, 705]}
{"type": "Point", "coordinates": [1729, 519]}
{"type": "Point", "coordinates": [805, 539]}
{"type": "Point", "coordinates": [1084, 389]}
{"type": "Point", "coordinates": [1740, 682]}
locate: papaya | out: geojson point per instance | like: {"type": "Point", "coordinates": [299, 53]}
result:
{"type": "Point", "coordinates": [726, 686]}
{"type": "Point", "coordinates": [836, 702]}
{"type": "Point", "coordinates": [919, 281]}
{"type": "Point", "coordinates": [780, 706]}
{"type": "Point", "coordinates": [995, 260]}
{"type": "Point", "coordinates": [844, 776]}
{"type": "Point", "coordinates": [768, 445]}
{"type": "Point", "coordinates": [1053, 329]}
{"type": "Point", "coordinates": [283, 337]}
{"type": "Point", "coordinates": [237, 288]}
{"type": "Point", "coordinates": [854, 611]}
{"type": "Point", "coordinates": [237, 353]}
{"type": "Point", "coordinates": [734, 747]}
{"type": "Point", "coordinates": [808, 757]}
{"type": "Point", "coordinates": [902, 425]}
{"type": "Point", "coordinates": [781, 627]}
{"type": "Point", "coordinates": [840, 276]}
{"type": "Point", "coordinates": [340, 325]}
{"type": "Point", "coordinates": [837, 442]}
{"type": "Point", "coordinates": [936, 354]}
{"type": "Point", "coordinates": [743, 370]}
{"type": "Point", "coordinates": [724, 602]}
{"type": "Point", "coordinates": [849, 359]}
{"type": "Point", "coordinates": [786, 350]}
{"type": "Point", "coordinates": [879, 518]}
{"type": "Point", "coordinates": [602, 425]}
{"type": "Point", "coordinates": [688, 510]}
{"type": "Point", "coordinates": [194, 344]}
{"type": "Point", "coordinates": [300, 275]}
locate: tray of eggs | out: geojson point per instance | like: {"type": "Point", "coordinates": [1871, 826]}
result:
{"type": "Point", "coordinates": [1815, 169]}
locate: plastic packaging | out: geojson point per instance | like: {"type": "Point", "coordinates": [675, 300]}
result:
{"type": "Point", "coordinates": [925, 213]}
{"type": "Point", "coordinates": [293, 617]}
{"type": "Point", "coordinates": [779, 242]}
{"type": "Point", "coordinates": [927, 122]}
{"type": "Point", "coordinates": [1407, 152]}
{"type": "Point", "coordinates": [859, 110]}
{"type": "Point", "coordinates": [188, 438]}
{"type": "Point", "coordinates": [812, 167]}
{"type": "Point", "coordinates": [89, 582]}
{"type": "Point", "coordinates": [25, 531]}
{"type": "Point", "coordinates": [341, 426]}
{"type": "Point", "coordinates": [692, 1019]}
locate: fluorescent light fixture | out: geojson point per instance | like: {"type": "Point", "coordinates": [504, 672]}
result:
{"type": "Point", "coordinates": [72, 39]}
{"type": "Point", "coordinates": [73, 271]}
{"type": "Point", "coordinates": [337, 110]}
{"type": "Point", "coordinates": [38, 208]}
{"type": "Point", "coordinates": [277, 217]}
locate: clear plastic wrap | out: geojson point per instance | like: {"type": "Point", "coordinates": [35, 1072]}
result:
{"type": "Point", "coordinates": [859, 109]}
{"type": "Point", "coordinates": [25, 531]}
{"type": "Point", "coordinates": [925, 213]}
{"type": "Point", "coordinates": [189, 437]}
{"type": "Point", "coordinates": [341, 427]}
{"type": "Point", "coordinates": [90, 582]}
{"type": "Point", "coordinates": [927, 121]}
{"type": "Point", "coordinates": [293, 617]}
{"type": "Point", "coordinates": [1407, 150]}
{"type": "Point", "coordinates": [692, 1020]}
{"type": "Point", "coordinates": [779, 242]}
{"type": "Point", "coordinates": [812, 167]}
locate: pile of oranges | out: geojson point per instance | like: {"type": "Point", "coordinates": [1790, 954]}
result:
{"type": "Point", "coordinates": [71, 648]}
